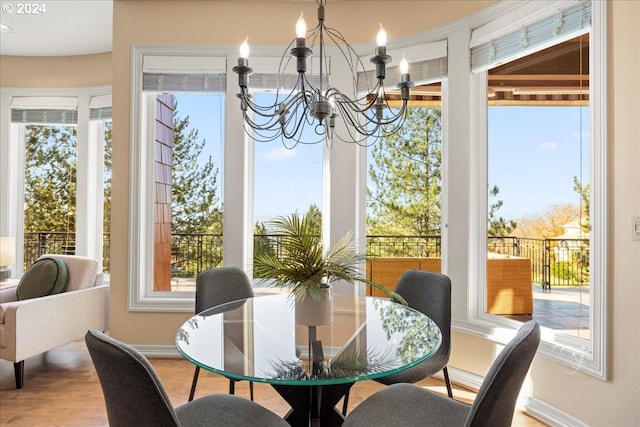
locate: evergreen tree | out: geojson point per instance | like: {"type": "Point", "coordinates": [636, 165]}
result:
{"type": "Point", "coordinates": [582, 256]}
{"type": "Point", "coordinates": [498, 227]}
{"type": "Point", "coordinates": [195, 204]}
{"type": "Point", "coordinates": [50, 178]}
{"type": "Point", "coordinates": [106, 207]}
{"type": "Point", "coordinates": [314, 216]}
{"type": "Point", "coordinates": [406, 173]}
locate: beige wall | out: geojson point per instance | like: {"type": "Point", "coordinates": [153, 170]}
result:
{"type": "Point", "coordinates": [595, 402]}
{"type": "Point", "coordinates": [56, 71]}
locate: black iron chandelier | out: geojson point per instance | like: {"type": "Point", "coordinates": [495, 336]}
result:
{"type": "Point", "coordinates": [307, 114]}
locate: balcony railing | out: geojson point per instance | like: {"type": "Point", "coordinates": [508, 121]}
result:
{"type": "Point", "coordinates": [553, 261]}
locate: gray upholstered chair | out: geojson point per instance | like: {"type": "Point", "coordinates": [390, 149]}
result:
{"type": "Point", "coordinates": [410, 405]}
{"type": "Point", "coordinates": [219, 286]}
{"type": "Point", "coordinates": [134, 395]}
{"type": "Point", "coordinates": [429, 293]}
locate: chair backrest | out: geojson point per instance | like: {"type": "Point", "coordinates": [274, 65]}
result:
{"type": "Point", "coordinates": [133, 393]}
{"type": "Point", "coordinates": [430, 294]}
{"type": "Point", "coordinates": [221, 285]}
{"type": "Point", "coordinates": [496, 400]}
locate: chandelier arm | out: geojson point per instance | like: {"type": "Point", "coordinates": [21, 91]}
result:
{"type": "Point", "coordinates": [313, 105]}
{"type": "Point", "coordinates": [348, 53]}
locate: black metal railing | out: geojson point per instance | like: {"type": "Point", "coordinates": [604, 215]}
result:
{"type": "Point", "coordinates": [553, 261]}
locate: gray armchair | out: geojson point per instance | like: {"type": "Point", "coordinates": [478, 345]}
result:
{"type": "Point", "coordinates": [219, 286]}
{"type": "Point", "coordinates": [134, 395]}
{"type": "Point", "coordinates": [410, 405]}
{"type": "Point", "coordinates": [430, 294]}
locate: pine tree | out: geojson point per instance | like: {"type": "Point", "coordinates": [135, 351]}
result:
{"type": "Point", "coordinates": [50, 178]}
{"type": "Point", "coordinates": [195, 204]}
{"type": "Point", "coordinates": [498, 226]}
{"type": "Point", "coordinates": [406, 173]}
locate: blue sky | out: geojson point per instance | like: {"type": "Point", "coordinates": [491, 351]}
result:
{"type": "Point", "coordinates": [534, 153]}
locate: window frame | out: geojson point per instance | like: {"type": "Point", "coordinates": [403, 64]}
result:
{"type": "Point", "coordinates": [590, 356]}
{"type": "Point", "coordinates": [89, 168]}
{"type": "Point", "coordinates": [140, 293]}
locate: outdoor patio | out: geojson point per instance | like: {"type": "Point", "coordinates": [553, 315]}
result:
{"type": "Point", "coordinates": [561, 309]}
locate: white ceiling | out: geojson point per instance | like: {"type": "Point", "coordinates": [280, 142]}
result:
{"type": "Point", "coordinates": [65, 27]}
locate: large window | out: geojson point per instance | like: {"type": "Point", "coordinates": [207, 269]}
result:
{"type": "Point", "coordinates": [538, 162]}
{"type": "Point", "coordinates": [404, 176]}
{"type": "Point", "coordinates": [53, 159]}
{"type": "Point", "coordinates": [404, 193]}
{"type": "Point", "coordinates": [482, 189]}
{"type": "Point", "coordinates": [544, 192]}
{"type": "Point", "coordinates": [287, 180]}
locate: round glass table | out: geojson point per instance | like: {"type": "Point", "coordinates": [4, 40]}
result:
{"type": "Point", "coordinates": [311, 367]}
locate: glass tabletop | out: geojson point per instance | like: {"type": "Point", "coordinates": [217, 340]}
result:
{"type": "Point", "coordinates": [257, 339]}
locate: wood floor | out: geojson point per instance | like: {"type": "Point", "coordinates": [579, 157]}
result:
{"type": "Point", "coordinates": [62, 389]}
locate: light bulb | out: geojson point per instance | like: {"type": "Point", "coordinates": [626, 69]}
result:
{"type": "Point", "coordinates": [381, 38]}
{"type": "Point", "coordinates": [404, 65]}
{"type": "Point", "coordinates": [244, 49]}
{"type": "Point", "coordinates": [301, 27]}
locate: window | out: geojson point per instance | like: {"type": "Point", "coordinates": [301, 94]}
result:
{"type": "Point", "coordinates": [544, 195]}
{"type": "Point", "coordinates": [53, 165]}
{"type": "Point", "coordinates": [404, 181]}
{"type": "Point", "coordinates": [177, 163]}
{"type": "Point", "coordinates": [287, 180]}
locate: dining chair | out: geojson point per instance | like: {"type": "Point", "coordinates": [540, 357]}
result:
{"type": "Point", "coordinates": [219, 286]}
{"type": "Point", "coordinates": [410, 405]}
{"type": "Point", "coordinates": [135, 396]}
{"type": "Point", "coordinates": [430, 294]}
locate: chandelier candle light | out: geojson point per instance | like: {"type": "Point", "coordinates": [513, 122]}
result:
{"type": "Point", "coordinates": [313, 102]}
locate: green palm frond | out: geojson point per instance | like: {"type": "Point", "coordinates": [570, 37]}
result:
{"type": "Point", "coordinates": [303, 266]}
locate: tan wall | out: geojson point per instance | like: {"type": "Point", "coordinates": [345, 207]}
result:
{"type": "Point", "coordinates": [56, 72]}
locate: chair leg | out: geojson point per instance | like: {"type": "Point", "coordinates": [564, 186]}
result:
{"type": "Point", "coordinates": [193, 383]}
{"type": "Point", "coordinates": [447, 382]}
{"type": "Point", "coordinates": [232, 387]}
{"type": "Point", "coordinates": [345, 404]}
{"type": "Point", "coordinates": [18, 370]}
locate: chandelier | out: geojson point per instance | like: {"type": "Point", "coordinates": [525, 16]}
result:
{"type": "Point", "coordinates": [308, 113]}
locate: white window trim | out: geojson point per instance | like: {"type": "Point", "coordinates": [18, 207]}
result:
{"type": "Point", "coordinates": [89, 194]}
{"type": "Point", "coordinates": [588, 356]}
{"type": "Point", "coordinates": [141, 296]}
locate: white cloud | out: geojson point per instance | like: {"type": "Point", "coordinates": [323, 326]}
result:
{"type": "Point", "coordinates": [580, 135]}
{"type": "Point", "coordinates": [549, 146]}
{"type": "Point", "coordinates": [279, 154]}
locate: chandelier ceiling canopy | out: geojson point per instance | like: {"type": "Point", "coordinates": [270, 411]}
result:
{"type": "Point", "coordinates": [307, 112]}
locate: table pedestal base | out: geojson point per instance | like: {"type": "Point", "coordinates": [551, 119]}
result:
{"type": "Point", "coordinates": [313, 405]}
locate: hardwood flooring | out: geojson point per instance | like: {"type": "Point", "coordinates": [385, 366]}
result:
{"type": "Point", "coordinates": [62, 389]}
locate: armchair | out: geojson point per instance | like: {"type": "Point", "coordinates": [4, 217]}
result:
{"type": "Point", "coordinates": [33, 326]}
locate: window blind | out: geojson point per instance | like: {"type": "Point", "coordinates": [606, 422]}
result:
{"type": "Point", "coordinates": [183, 74]}
{"type": "Point", "coordinates": [100, 107]}
{"type": "Point", "coordinates": [266, 76]}
{"type": "Point", "coordinates": [44, 110]}
{"type": "Point", "coordinates": [427, 64]}
{"type": "Point", "coordinates": [44, 116]}
{"type": "Point", "coordinates": [492, 46]}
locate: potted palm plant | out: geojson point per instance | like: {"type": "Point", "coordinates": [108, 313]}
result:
{"type": "Point", "coordinates": [306, 269]}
